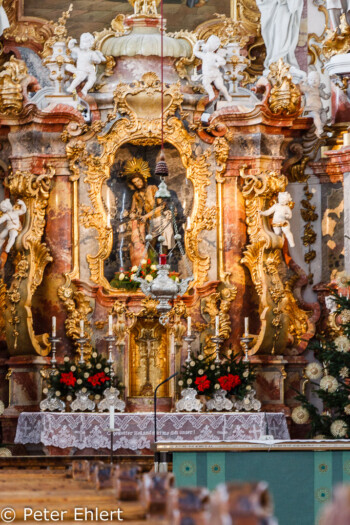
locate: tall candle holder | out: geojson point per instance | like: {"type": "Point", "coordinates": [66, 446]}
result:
{"type": "Point", "coordinates": [53, 340]}
{"type": "Point", "coordinates": [245, 342]}
{"type": "Point", "coordinates": [81, 342]}
{"type": "Point", "coordinates": [189, 338]}
{"type": "Point", "coordinates": [110, 340]}
{"type": "Point", "coordinates": [217, 340]}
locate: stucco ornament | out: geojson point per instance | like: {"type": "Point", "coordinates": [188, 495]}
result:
{"type": "Point", "coordinates": [314, 92]}
{"type": "Point", "coordinates": [212, 60]}
{"type": "Point", "coordinates": [86, 59]}
{"type": "Point", "coordinates": [282, 214]}
{"type": "Point", "coordinates": [11, 218]}
{"type": "Point", "coordinates": [280, 22]}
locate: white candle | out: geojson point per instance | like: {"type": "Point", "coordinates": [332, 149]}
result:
{"type": "Point", "coordinates": [246, 325]}
{"type": "Point", "coordinates": [111, 417]}
{"type": "Point", "coordinates": [188, 223]}
{"type": "Point", "coordinates": [81, 327]}
{"type": "Point", "coordinates": [217, 326]}
{"type": "Point", "coordinates": [54, 327]}
{"type": "Point", "coordinates": [110, 325]}
{"type": "Point", "coordinates": [108, 220]}
{"type": "Point", "coordinates": [189, 322]}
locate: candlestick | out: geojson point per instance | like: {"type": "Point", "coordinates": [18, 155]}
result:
{"type": "Point", "coordinates": [189, 323]}
{"type": "Point", "coordinates": [245, 342]}
{"type": "Point", "coordinates": [246, 325]}
{"type": "Point", "coordinates": [217, 326]}
{"type": "Point", "coordinates": [110, 325]}
{"type": "Point", "coordinates": [53, 340]}
{"type": "Point", "coordinates": [189, 340]}
{"type": "Point", "coordinates": [217, 341]}
{"type": "Point", "coordinates": [81, 328]}
{"type": "Point", "coordinates": [54, 327]}
{"type": "Point", "coordinates": [110, 342]}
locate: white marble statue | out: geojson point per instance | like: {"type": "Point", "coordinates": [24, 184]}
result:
{"type": "Point", "coordinates": [313, 91]}
{"type": "Point", "coordinates": [282, 214]}
{"type": "Point", "coordinates": [86, 59]}
{"type": "Point", "coordinates": [4, 21]}
{"type": "Point", "coordinates": [212, 60]}
{"type": "Point", "coordinates": [11, 217]}
{"type": "Point", "coordinates": [280, 22]}
{"type": "Point", "coordinates": [335, 9]}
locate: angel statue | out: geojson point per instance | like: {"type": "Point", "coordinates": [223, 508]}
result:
{"type": "Point", "coordinates": [282, 213]}
{"type": "Point", "coordinates": [11, 217]}
{"type": "Point", "coordinates": [4, 21]}
{"type": "Point", "coordinates": [86, 59]}
{"type": "Point", "coordinates": [212, 60]}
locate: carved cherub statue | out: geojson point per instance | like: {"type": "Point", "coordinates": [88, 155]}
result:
{"type": "Point", "coordinates": [212, 60]}
{"type": "Point", "coordinates": [282, 213]}
{"type": "Point", "coordinates": [314, 91]}
{"type": "Point", "coordinates": [10, 216]}
{"type": "Point", "coordinates": [86, 58]}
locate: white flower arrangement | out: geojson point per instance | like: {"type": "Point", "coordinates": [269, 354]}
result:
{"type": "Point", "coordinates": [149, 278]}
{"type": "Point", "coordinates": [121, 277]}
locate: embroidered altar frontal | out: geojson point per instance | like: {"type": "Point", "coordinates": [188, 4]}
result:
{"type": "Point", "coordinates": [300, 475]}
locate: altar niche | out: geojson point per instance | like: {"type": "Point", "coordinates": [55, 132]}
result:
{"type": "Point", "coordinates": [129, 200]}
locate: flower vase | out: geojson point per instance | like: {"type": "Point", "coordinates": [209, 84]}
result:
{"type": "Point", "coordinates": [52, 403]}
{"type": "Point", "coordinates": [189, 401]}
{"type": "Point", "coordinates": [82, 402]}
{"type": "Point", "coordinates": [219, 402]}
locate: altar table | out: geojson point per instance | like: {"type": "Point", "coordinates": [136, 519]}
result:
{"type": "Point", "coordinates": [135, 430]}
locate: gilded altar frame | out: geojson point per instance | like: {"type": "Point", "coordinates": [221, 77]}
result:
{"type": "Point", "coordinates": [137, 120]}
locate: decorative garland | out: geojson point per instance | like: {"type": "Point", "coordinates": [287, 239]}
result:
{"type": "Point", "coordinates": [330, 376]}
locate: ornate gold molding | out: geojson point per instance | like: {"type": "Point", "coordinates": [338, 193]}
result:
{"type": "Point", "coordinates": [26, 30]}
{"type": "Point", "coordinates": [335, 43]}
{"type": "Point", "coordinates": [285, 97]}
{"type": "Point", "coordinates": [78, 308]}
{"type": "Point", "coordinates": [31, 262]}
{"type": "Point", "coordinates": [11, 92]}
{"type": "Point", "coordinates": [140, 124]}
{"type": "Point", "coordinates": [282, 321]}
{"type": "Point", "coordinates": [221, 151]}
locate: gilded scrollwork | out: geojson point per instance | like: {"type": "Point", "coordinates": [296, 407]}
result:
{"type": "Point", "coordinates": [337, 43]}
{"type": "Point", "coordinates": [33, 257]}
{"type": "Point", "coordinates": [12, 73]}
{"type": "Point", "coordinates": [279, 312]}
{"type": "Point", "coordinates": [221, 151]}
{"type": "Point", "coordinates": [78, 309]}
{"type": "Point", "coordinates": [285, 97]}
{"type": "Point", "coordinates": [218, 304]}
{"type": "Point", "coordinates": [140, 124]}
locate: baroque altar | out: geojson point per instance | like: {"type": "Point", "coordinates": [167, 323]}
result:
{"type": "Point", "coordinates": [82, 131]}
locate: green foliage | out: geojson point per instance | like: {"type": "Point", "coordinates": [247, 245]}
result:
{"type": "Point", "coordinates": [332, 351]}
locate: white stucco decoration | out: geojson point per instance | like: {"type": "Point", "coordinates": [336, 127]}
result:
{"type": "Point", "coordinates": [282, 214]}
{"type": "Point", "coordinates": [212, 60]}
{"type": "Point", "coordinates": [86, 59]}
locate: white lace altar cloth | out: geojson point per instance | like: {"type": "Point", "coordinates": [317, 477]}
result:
{"type": "Point", "coordinates": [135, 431]}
